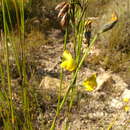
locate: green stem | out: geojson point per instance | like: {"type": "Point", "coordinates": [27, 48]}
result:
{"type": "Point", "coordinates": [73, 81]}
{"type": "Point", "coordinates": [65, 38]}
{"type": "Point", "coordinates": [77, 70]}
{"type": "Point", "coordinates": [7, 63]}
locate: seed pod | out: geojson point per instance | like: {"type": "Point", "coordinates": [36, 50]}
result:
{"type": "Point", "coordinates": [110, 24]}
{"type": "Point", "coordinates": [63, 10]}
{"type": "Point", "coordinates": [64, 20]}
{"type": "Point", "coordinates": [60, 5]}
{"type": "Point", "coordinates": [87, 36]}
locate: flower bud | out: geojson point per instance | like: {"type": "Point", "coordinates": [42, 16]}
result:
{"type": "Point", "coordinates": [64, 19]}
{"type": "Point", "coordinates": [60, 5]}
{"type": "Point", "coordinates": [63, 10]}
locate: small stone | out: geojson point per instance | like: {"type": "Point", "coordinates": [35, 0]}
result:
{"type": "Point", "coordinates": [126, 94]}
{"type": "Point", "coordinates": [116, 104]}
{"type": "Point", "coordinates": [96, 115]}
{"type": "Point", "coordinates": [102, 78]}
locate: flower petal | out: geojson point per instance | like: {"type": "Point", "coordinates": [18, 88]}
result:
{"type": "Point", "coordinates": [126, 99]}
{"type": "Point", "coordinates": [68, 63]}
{"type": "Point", "coordinates": [67, 55]}
{"type": "Point", "coordinates": [90, 83]}
{"type": "Point", "coordinates": [127, 108]}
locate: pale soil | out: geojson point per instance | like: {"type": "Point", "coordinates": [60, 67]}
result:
{"type": "Point", "coordinates": [100, 109]}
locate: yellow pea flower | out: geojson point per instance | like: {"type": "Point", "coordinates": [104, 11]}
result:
{"type": "Point", "coordinates": [68, 62]}
{"type": "Point", "coordinates": [90, 83]}
{"type": "Point", "coordinates": [126, 99]}
{"type": "Point", "coordinates": [114, 17]}
{"type": "Point", "coordinates": [88, 22]}
{"type": "Point", "coordinates": [127, 108]}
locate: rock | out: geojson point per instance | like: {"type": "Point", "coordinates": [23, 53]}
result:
{"type": "Point", "coordinates": [126, 94]}
{"type": "Point", "coordinates": [110, 83]}
{"type": "Point", "coordinates": [97, 115]}
{"type": "Point", "coordinates": [102, 78]}
{"type": "Point", "coordinates": [49, 83]}
{"type": "Point", "coordinates": [117, 104]}
{"type": "Point", "coordinates": [119, 82]}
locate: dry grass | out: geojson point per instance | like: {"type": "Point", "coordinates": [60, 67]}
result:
{"type": "Point", "coordinates": [114, 43]}
{"type": "Point", "coordinates": [97, 7]}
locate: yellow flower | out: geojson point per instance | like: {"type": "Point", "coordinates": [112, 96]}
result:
{"type": "Point", "coordinates": [126, 99]}
{"type": "Point", "coordinates": [90, 83]}
{"type": "Point", "coordinates": [127, 108]}
{"type": "Point", "coordinates": [88, 22]}
{"type": "Point", "coordinates": [68, 62]}
{"type": "Point", "coordinates": [114, 17]}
